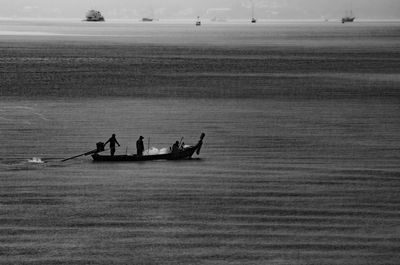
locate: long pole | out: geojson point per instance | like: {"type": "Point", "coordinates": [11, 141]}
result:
{"type": "Point", "coordinates": [72, 157]}
{"type": "Point", "coordinates": [84, 154]}
{"type": "Point", "coordinates": [252, 9]}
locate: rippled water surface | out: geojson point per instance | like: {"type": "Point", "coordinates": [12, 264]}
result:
{"type": "Point", "coordinates": [300, 163]}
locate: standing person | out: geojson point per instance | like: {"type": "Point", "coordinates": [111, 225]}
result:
{"type": "Point", "coordinates": [140, 146]}
{"type": "Point", "coordinates": [112, 142]}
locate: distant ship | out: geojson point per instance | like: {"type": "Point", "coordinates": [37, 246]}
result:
{"type": "Point", "coordinates": [94, 15]}
{"type": "Point", "coordinates": [149, 15]}
{"type": "Point", "coordinates": [348, 18]}
{"type": "Point", "coordinates": [253, 19]}
{"type": "Point", "coordinates": [198, 22]}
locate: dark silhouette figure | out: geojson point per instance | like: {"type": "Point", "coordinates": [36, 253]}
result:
{"type": "Point", "coordinates": [200, 143]}
{"type": "Point", "coordinates": [175, 147]}
{"type": "Point", "coordinates": [112, 142]}
{"type": "Point", "coordinates": [140, 146]}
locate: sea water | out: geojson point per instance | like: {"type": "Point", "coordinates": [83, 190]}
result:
{"type": "Point", "coordinates": [300, 162]}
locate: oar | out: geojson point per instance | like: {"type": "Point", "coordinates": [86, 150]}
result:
{"type": "Point", "coordinates": [84, 154]}
{"type": "Point", "coordinates": [200, 143]}
{"type": "Point", "coordinates": [99, 149]}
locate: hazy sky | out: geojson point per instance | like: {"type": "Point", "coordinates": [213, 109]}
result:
{"type": "Point", "coordinates": [270, 9]}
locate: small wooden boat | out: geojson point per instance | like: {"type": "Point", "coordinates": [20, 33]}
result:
{"type": "Point", "coordinates": [185, 153]}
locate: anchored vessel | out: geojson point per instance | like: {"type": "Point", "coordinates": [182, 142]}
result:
{"type": "Point", "coordinates": [348, 18]}
{"type": "Point", "coordinates": [253, 19]}
{"type": "Point", "coordinates": [94, 15]}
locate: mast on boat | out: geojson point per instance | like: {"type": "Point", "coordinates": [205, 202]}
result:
{"type": "Point", "coordinates": [253, 19]}
{"type": "Point", "coordinates": [349, 17]}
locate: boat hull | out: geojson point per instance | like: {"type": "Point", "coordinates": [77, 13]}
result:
{"type": "Point", "coordinates": [182, 154]}
{"type": "Point", "coordinates": [348, 19]}
{"type": "Point", "coordinates": [95, 20]}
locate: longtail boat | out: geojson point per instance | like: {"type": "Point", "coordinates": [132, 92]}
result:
{"type": "Point", "coordinates": [183, 153]}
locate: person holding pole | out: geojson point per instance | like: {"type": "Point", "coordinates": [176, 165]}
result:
{"type": "Point", "coordinates": [112, 142]}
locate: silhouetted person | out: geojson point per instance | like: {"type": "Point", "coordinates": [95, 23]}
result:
{"type": "Point", "coordinates": [112, 142]}
{"type": "Point", "coordinates": [175, 147]}
{"type": "Point", "coordinates": [140, 146]}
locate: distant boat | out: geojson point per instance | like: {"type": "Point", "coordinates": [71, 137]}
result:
{"type": "Point", "coordinates": [198, 22]}
{"type": "Point", "coordinates": [94, 15]}
{"type": "Point", "coordinates": [349, 17]}
{"type": "Point", "coordinates": [149, 15]}
{"type": "Point", "coordinates": [253, 19]}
